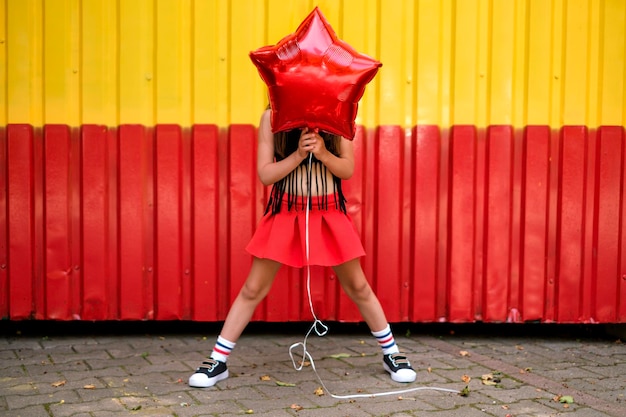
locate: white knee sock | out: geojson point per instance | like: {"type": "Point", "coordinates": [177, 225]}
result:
{"type": "Point", "coordinates": [386, 340]}
{"type": "Point", "coordinates": [222, 349]}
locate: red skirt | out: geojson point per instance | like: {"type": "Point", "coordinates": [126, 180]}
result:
{"type": "Point", "coordinates": [333, 239]}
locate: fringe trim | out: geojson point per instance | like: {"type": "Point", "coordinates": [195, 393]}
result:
{"type": "Point", "coordinates": [296, 181]}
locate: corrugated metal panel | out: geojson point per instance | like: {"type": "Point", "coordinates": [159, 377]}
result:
{"type": "Point", "coordinates": [459, 225]}
{"type": "Point", "coordinates": [446, 62]}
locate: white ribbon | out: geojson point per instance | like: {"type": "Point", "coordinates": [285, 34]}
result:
{"type": "Point", "coordinates": [321, 329]}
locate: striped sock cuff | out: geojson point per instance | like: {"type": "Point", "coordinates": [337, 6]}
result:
{"type": "Point", "coordinates": [386, 340]}
{"type": "Point", "coordinates": [222, 349]}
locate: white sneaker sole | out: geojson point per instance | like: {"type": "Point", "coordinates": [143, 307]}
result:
{"type": "Point", "coordinates": [403, 375]}
{"type": "Point", "coordinates": [200, 380]}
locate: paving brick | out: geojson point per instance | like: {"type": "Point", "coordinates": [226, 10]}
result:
{"type": "Point", "coordinates": [59, 397]}
{"type": "Point", "coordinates": [29, 411]}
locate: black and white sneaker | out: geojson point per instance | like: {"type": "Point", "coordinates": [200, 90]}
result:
{"type": "Point", "coordinates": [208, 374]}
{"type": "Point", "coordinates": [399, 367]}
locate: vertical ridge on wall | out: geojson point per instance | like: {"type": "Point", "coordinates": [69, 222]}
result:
{"type": "Point", "coordinates": [462, 219]}
{"type": "Point", "coordinates": [61, 275]}
{"type": "Point", "coordinates": [427, 211]}
{"type": "Point", "coordinates": [391, 217]}
{"type": "Point", "coordinates": [498, 222]}
{"type": "Point", "coordinates": [170, 281]}
{"type": "Point", "coordinates": [609, 298]}
{"type": "Point", "coordinates": [96, 249]}
{"type": "Point", "coordinates": [205, 215]}
{"type": "Point", "coordinates": [4, 232]}
{"type": "Point", "coordinates": [22, 259]}
{"type": "Point", "coordinates": [135, 212]}
{"type": "Point", "coordinates": [570, 227]}
{"type": "Point", "coordinates": [534, 219]}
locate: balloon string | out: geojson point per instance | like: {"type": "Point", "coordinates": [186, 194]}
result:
{"type": "Point", "coordinates": [321, 329]}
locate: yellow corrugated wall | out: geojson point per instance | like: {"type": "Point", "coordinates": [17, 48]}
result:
{"type": "Point", "coordinates": [446, 62]}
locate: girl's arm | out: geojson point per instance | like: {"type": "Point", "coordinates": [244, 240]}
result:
{"type": "Point", "coordinates": [268, 170]}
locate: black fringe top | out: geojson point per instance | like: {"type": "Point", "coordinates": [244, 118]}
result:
{"type": "Point", "coordinates": [295, 182]}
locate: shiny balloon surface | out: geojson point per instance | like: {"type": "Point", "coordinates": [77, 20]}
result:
{"type": "Point", "coordinates": [314, 79]}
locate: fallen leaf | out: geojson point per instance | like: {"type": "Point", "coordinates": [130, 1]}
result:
{"type": "Point", "coordinates": [464, 392]}
{"type": "Point", "coordinates": [429, 369]}
{"type": "Point", "coordinates": [568, 399]}
{"type": "Point", "coordinates": [90, 386]}
{"type": "Point", "coordinates": [492, 379]}
{"type": "Point", "coordinates": [505, 407]}
{"type": "Point", "coordinates": [464, 353]}
{"type": "Point", "coordinates": [265, 378]}
{"type": "Point", "coordinates": [184, 404]}
{"type": "Point", "coordinates": [296, 407]}
{"type": "Point", "coordinates": [466, 378]}
{"type": "Point", "coordinates": [518, 347]}
{"type": "Point", "coordinates": [249, 411]}
{"type": "Point", "coordinates": [305, 363]}
{"type": "Point", "coordinates": [58, 383]}
{"type": "Point", "coordinates": [340, 355]}
{"type": "Point", "coordinates": [319, 391]}
{"type": "Point", "coordinates": [138, 407]}
{"type": "Point", "coordinates": [285, 384]}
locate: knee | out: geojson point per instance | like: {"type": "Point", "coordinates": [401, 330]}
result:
{"type": "Point", "coordinates": [253, 292]}
{"type": "Point", "coordinates": [358, 290]}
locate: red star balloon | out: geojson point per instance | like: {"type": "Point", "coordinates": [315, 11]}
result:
{"type": "Point", "coordinates": [314, 79]}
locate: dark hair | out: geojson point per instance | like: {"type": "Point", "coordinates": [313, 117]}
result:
{"type": "Point", "coordinates": [285, 143]}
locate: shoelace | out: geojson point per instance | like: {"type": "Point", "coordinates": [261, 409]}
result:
{"type": "Point", "coordinates": [212, 363]}
{"type": "Point", "coordinates": [399, 359]}
{"type": "Point", "coordinates": [321, 329]}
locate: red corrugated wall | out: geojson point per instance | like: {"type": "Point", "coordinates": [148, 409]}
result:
{"type": "Point", "coordinates": [465, 224]}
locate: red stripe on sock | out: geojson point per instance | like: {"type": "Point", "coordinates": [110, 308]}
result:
{"type": "Point", "coordinates": [382, 342]}
{"type": "Point", "coordinates": [223, 352]}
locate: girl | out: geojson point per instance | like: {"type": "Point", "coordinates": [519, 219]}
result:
{"type": "Point", "coordinates": [282, 160]}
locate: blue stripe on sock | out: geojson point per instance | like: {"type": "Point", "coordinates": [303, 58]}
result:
{"type": "Point", "coordinates": [384, 336]}
{"type": "Point", "coordinates": [224, 346]}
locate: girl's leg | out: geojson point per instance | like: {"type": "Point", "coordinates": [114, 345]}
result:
{"type": "Point", "coordinates": [353, 281]}
{"type": "Point", "coordinates": [355, 285]}
{"type": "Point", "coordinates": [253, 291]}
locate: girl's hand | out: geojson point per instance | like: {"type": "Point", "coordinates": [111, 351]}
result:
{"type": "Point", "coordinates": [311, 142]}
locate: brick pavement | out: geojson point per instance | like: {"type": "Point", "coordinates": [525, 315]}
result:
{"type": "Point", "coordinates": [121, 369]}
